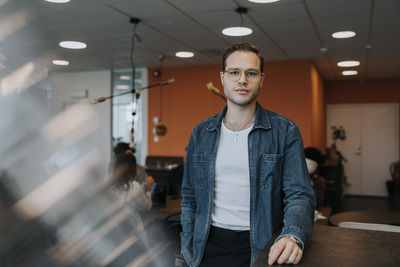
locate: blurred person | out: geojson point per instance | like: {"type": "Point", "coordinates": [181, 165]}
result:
{"type": "Point", "coordinates": [245, 177]}
{"type": "Point", "coordinates": [141, 175]}
{"type": "Point", "coordinates": [122, 148]}
{"type": "Point", "coordinates": [123, 181]}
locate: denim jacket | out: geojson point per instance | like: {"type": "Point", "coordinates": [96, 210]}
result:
{"type": "Point", "coordinates": [280, 190]}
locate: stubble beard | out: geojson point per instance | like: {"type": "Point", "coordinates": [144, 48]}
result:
{"type": "Point", "coordinates": [230, 97]}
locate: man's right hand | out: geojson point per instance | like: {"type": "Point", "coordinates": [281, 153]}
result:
{"type": "Point", "coordinates": [285, 250]}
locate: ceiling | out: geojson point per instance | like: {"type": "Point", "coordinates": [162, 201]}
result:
{"type": "Point", "coordinates": [30, 31]}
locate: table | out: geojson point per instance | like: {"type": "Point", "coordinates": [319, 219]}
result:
{"type": "Point", "coordinates": [331, 246]}
{"type": "Point", "coordinates": [172, 205]}
{"type": "Point", "coordinates": [332, 171]}
{"type": "Point", "coordinates": [383, 217]}
{"type": "Point", "coordinates": [160, 172]}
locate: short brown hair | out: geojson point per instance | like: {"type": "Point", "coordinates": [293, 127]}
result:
{"type": "Point", "coordinates": [242, 47]}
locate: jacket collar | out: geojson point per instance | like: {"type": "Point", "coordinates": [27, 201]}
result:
{"type": "Point", "coordinates": [262, 120]}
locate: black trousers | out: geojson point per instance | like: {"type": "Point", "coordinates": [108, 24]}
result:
{"type": "Point", "coordinates": [226, 247]}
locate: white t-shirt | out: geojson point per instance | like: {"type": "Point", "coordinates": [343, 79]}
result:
{"type": "Point", "coordinates": [231, 201]}
{"type": "Point", "coordinates": [135, 198]}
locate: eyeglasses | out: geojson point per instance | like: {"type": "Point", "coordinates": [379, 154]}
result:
{"type": "Point", "coordinates": [235, 74]}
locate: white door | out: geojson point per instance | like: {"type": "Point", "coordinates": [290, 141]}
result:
{"type": "Point", "coordinates": [379, 137]}
{"type": "Point", "coordinates": [371, 144]}
{"type": "Point", "coordinates": [349, 118]}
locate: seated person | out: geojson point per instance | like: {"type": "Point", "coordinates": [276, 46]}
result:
{"type": "Point", "coordinates": [128, 190]}
{"type": "Point", "coordinates": [314, 154]}
{"type": "Point", "coordinates": [318, 182]}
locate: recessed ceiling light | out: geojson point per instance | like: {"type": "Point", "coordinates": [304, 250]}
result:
{"type": "Point", "coordinates": [58, 1]}
{"type": "Point", "coordinates": [349, 72]}
{"type": "Point", "coordinates": [237, 31]}
{"type": "Point", "coordinates": [184, 54]}
{"type": "Point", "coordinates": [348, 63]}
{"type": "Point", "coordinates": [263, 1]}
{"type": "Point", "coordinates": [72, 45]}
{"type": "Point", "coordinates": [343, 34]}
{"type": "Point", "coordinates": [122, 87]}
{"type": "Point", "coordinates": [60, 62]}
{"type": "Point", "coordinates": [125, 77]}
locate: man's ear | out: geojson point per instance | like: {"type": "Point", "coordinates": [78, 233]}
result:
{"type": "Point", "coordinates": [222, 77]}
{"type": "Point", "coordinates": [262, 79]}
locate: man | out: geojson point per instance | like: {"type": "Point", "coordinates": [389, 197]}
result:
{"type": "Point", "coordinates": [245, 177]}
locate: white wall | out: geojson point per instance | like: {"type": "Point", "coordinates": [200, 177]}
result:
{"type": "Point", "coordinates": [97, 84]}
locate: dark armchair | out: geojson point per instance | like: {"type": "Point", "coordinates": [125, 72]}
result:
{"type": "Point", "coordinates": [166, 170]}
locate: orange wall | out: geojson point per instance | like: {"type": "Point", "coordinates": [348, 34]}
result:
{"type": "Point", "coordinates": [287, 91]}
{"type": "Point", "coordinates": [185, 103]}
{"type": "Point", "coordinates": [318, 128]}
{"type": "Point", "coordinates": [370, 91]}
{"type": "Point", "coordinates": [290, 87]}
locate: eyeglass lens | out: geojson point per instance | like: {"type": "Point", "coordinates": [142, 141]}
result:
{"type": "Point", "coordinates": [235, 75]}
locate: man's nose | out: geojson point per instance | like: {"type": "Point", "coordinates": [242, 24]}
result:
{"type": "Point", "coordinates": [242, 78]}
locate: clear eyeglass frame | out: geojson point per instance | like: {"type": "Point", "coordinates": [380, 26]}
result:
{"type": "Point", "coordinates": [234, 74]}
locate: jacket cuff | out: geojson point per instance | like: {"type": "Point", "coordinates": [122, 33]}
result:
{"type": "Point", "coordinates": [295, 233]}
{"type": "Point", "coordinates": [298, 241]}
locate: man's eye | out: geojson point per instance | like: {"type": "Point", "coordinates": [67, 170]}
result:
{"type": "Point", "coordinates": [252, 74]}
{"type": "Point", "coordinates": [234, 73]}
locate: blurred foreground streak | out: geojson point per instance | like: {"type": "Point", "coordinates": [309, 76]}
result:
{"type": "Point", "coordinates": [54, 208]}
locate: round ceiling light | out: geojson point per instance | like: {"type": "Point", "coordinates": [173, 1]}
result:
{"type": "Point", "coordinates": [348, 63]}
{"type": "Point", "coordinates": [184, 54]}
{"type": "Point", "coordinates": [60, 62]}
{"type": "Point", "coordinates": [343, 34]}
{"type": "Point", "coordinates": [237, 31]}
{"type": "Point", "coordinates": [263, 1]}
{"type": "Point", "coordinates": [125, 77]}
{"type": "Point", "coordinates": [72, 45]}
{"type": "Point", "coordinates": [58, 1]}
{"type": "Point", "coordinates": [349, 72]}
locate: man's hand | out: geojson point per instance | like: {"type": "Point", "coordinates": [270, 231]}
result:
{"type": "Point", "coordinates": [285, 250]}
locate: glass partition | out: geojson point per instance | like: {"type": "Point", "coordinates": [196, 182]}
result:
{"type": "Point", "coordinates": [123, 106]}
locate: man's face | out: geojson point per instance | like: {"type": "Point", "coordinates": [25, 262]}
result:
{"type": "Point", "coordinates": [242, 79]}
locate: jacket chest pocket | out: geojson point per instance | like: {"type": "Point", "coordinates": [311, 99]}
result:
{"type": "Point", "coordinates": [271, 171]}
{"type": "Point", "coordinates": [199, 177]}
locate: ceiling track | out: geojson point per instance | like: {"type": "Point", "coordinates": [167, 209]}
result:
{"type": "Point", "coordinates": [330, 64]}
{"type": "Point", "coordinates": [269, 37]}
{"type": "Point", "coordinates": [179, 42]}
{"type": "Point", "coordinates": [321, 43]}
{"type": "Point", "coordinates": [197, 22]}
{"type": "Point", "coordinates": [160, 32]}
{"type": "Point", "coordinates": [369, 41]}
{"type": "Point", "coordinates": [280, 48]}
